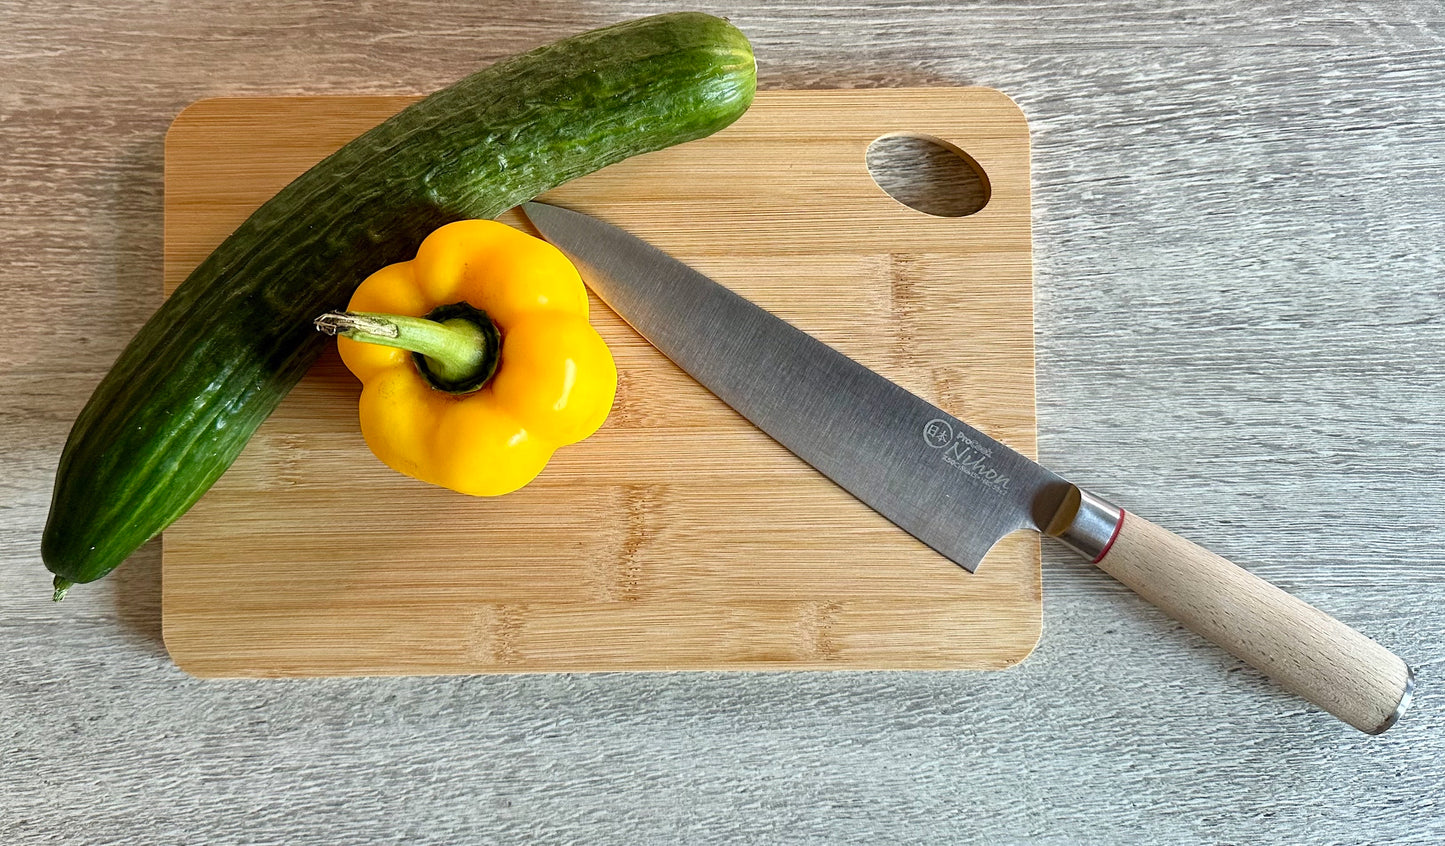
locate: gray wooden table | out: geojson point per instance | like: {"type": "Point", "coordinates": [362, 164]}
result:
{"type": "Point", "coordinates": [1241, 319]}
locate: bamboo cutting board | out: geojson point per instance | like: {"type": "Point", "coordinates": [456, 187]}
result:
{"type": "Point", "coordinates": [678, 537]}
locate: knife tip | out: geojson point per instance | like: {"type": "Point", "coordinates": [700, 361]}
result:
{"type": "Point", "coordinates": [532, 210]}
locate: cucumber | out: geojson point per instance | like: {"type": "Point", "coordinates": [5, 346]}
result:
{"type": "Point", "coordinates": [219, 355]}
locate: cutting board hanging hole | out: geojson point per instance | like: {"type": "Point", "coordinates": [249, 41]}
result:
{"type": "Point", "coordinates": [928, 175]}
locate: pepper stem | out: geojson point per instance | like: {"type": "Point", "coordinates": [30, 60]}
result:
{"type": "Point", "coordinates": [62, 585]}
{"type": "Point", "coordinates": [456, 347]}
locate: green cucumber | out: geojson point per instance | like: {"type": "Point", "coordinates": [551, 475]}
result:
{"type": "Point", "coordinates": [219, 355]}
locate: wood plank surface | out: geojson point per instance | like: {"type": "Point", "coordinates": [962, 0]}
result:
{"type": "Point", "coordinates": [1238, 329]}
{"type": "Point", "coordinates": [679, 536]}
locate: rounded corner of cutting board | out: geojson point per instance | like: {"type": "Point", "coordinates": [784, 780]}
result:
{"type": "Point", "coordinates": [178, 647]}
{"type": "Point", "coordinates": [1002, 100]}
{"type": "Point", "coordinates": [1005, 615]}
{"type": "Point", "coordinates": [1024, 643]}
{"type": "Point", "coordinates": [193, 117]}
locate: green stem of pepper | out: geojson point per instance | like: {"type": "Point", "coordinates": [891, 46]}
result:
{"type": "Point", "coordinates": [456, 347]}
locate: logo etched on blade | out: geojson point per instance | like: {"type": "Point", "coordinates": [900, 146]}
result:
{"type": "Point", "coordinates": [938, 433]}
{"type": "Point", "coordinates": [964, 453]}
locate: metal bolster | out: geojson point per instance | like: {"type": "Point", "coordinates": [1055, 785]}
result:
{"type": "Point", "coordinates": [1095, 524]}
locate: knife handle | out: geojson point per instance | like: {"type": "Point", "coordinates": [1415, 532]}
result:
{"type": "Point", "coordinates": [1303, 649]}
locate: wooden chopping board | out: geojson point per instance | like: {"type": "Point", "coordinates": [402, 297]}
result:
{"type": "Point", "coordinates": [679, 537]}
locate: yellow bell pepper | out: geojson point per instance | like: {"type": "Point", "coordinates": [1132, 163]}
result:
{"type": "Point", "coordinates": [476, 358]}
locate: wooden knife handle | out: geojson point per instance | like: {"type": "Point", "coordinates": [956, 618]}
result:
{"type": "Point", "coordinates": [1304, 650]}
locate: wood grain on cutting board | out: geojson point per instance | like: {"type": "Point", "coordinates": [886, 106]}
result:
{"type": "Point", "coordinates": [678, 537]}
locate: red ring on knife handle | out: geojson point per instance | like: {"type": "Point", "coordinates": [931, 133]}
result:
{"type": "Point", "coordinates": [1113, 537]}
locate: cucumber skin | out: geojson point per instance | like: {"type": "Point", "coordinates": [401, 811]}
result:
{"type": "Point", "coordinates": [187, 393]}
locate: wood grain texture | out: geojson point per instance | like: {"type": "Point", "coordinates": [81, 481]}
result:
{"type": "Point", "coordinates": [678, 537]}
{"type": "Point", "coordinates": [1238, 328]}
{"type": "Point", "coordinates": [1303, 649]}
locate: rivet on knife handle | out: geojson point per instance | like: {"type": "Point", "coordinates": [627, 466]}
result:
{"type": "Point", "coordinates": [1303, 649]}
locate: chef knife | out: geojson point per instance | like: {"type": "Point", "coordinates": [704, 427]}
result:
{"type": "Point", "coordinates": [955, 488]}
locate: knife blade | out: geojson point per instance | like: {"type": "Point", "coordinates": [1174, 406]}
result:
{"type": "Point", "coordinates": [954, 487]}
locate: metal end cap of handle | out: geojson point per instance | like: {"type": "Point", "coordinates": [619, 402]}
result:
{"type": "Point", "coordinates": [1404, 704]}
